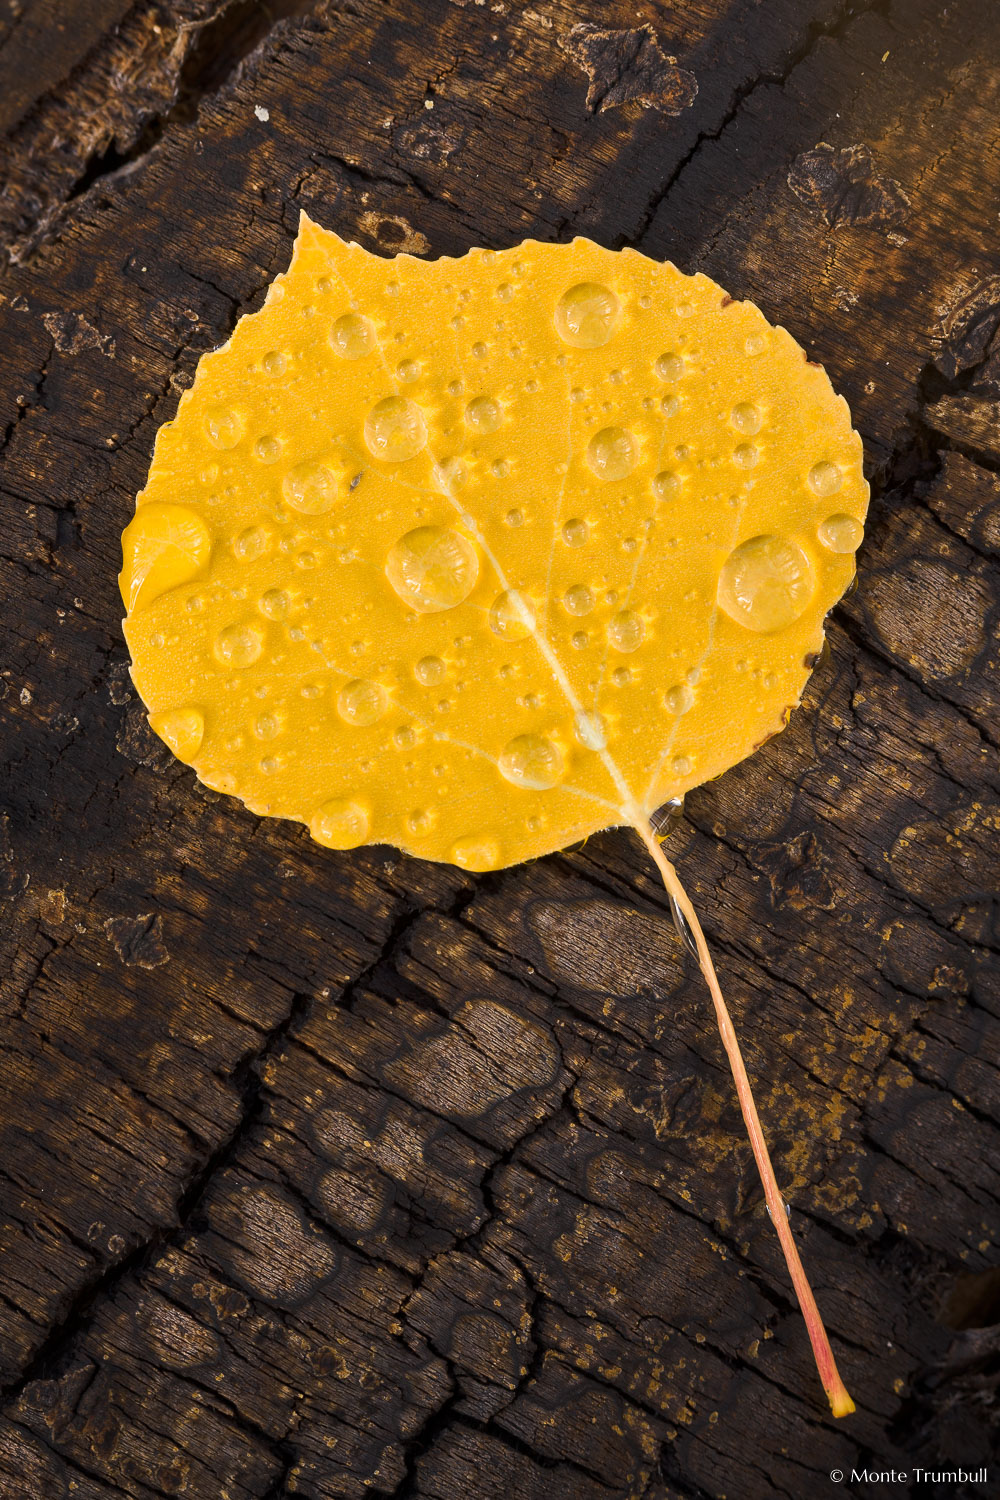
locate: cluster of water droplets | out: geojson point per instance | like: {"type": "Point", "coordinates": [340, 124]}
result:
{"type": "Point", "coordinates": [765, 584]}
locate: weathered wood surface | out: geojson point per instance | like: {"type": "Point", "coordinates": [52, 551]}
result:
{"type": "Point", "coordinates": [343, 1175]}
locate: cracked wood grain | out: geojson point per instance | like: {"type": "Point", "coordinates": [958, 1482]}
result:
{"type": "Point", "coordinates": [351, 1175]}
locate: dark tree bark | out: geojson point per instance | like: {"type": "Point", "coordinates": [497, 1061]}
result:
{"type": "Point", "coordinates": [347, 1175]}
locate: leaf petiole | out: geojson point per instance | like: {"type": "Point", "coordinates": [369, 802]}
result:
{"type": "Point", "coordinates": [840, 1402]}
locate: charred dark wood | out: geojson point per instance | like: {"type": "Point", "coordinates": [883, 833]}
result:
{"type": "Point", "coordinates": [349, 1175]}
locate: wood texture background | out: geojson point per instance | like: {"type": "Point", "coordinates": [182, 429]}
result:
{"type": "Point", "coordinates": [348, 1175]}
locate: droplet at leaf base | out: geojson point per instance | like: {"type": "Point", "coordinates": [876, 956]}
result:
{"type": "Point", "coordinates": [478, 556]}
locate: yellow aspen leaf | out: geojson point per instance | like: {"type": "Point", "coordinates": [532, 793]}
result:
{"type": "Point", "coordinates": [478, 556]}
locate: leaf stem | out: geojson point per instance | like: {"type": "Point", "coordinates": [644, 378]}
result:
{"type": "Point", "coordinates": [840, 1402]}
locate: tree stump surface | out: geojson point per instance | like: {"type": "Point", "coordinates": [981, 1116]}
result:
{"type": "Point", "coordinates": [347, 1175]}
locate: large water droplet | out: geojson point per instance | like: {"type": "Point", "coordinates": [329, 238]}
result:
{"type": "Point", "coordinates": [224, 427]}
{"type": "Point", "coordinates": [239, 645]}
{"type": "Point", "coordinates": [395, 429]}
{"type": "Point", "coordinates": [512, 616]}
{"type": "Point", "coordinates": [841, 534]}
{"type": "Point", "coordinates": [310, 488]}
{"type": "Point", "coordinates": [432, 568]}
{"type": "Point", "coordinates": [352, 336]}
{"type": "Point", "coordinates": [591, 731]}
{"type": "Point", "coordinates": [163, 546]}
{"type": "Point", "coordinates": [825, 478]}
{"type": "Point", "coordinates": [766, 584]}
{"type": "Point", "coordinates": [532, 761]}
{"type": "Point", "coordinates": [626, 630]}
{"type": "Point", "coordinates": [612, 453]}
{"type": "Point", "coordinates": [341, 823]}
{"type": "Point", "coordinates": [587, 314]}
{"type": "Point", "coordinates": [483, 414]}
{"type": "Point", "coordinates": [361, 702]}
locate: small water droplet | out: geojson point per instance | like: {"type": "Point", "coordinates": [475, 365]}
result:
{"type": "Point", "coordinates": [756, 343]}
{"type": "Point", "coordinates": [395, 430]}
{"type": "Point", "coordinates": [575, 532]}
{"type": "Point", "coordinates": [267, 450]}
{"type": "Point", "coordinates": [429, 671]}
{"type": "Point", "coordinates": [621, 677]}
{"type": "Point", "coordinates": [587, 314]}
{"type": "Point", "coordinates": [667, 817]}
{"type": "Point", "coordinates": [268, 726]}
{"type": "Point", "coordinates": [275, 363]}
{"type": "Point", "coordinates": [361, 702]}
{"type": "Point", "coordinates": [746, 417]}
{"type": "Point", "coordinates": [765, 584]}
{"type": "Point", "coordinates": [239, 645]}
{"type": "Point", "coordinates": [407, 370]}
{"type": "Point", "coordinates": [512, 616]}
{"type": "Point", "coordinates": [612, 453]}
{"type": "Point", "coordinates": [681, 765]}
{"type": "Point", "coordinates": [532, 761]}
{"type": "Point", "coordinates": [224, 427]}
{"type": "Point", "coordinates": [579, 599]}
{"type": "Point", "coordinates": [505, 291]}
{"type": "Point", "coordinates": [626, 630]}
{"type": "Point", "coordinates": [251, 543]}
{"type": "Point", "coordinates": [825, 478]}
{"type": "Point", "coordinates": [341, 823]}
{"type": "Point", "coordinates": [352, 336]}
{"type": "Point", "coordinates": [591, 731]}
{"type": "Point", "coordinates": [841, 534]}
{"type": "Point", "coordinates": [514, 518]}
{"type": "Point", "coordinates": [483, 414]}
{"type": "Point", "coordinates": [666, 485]}
{"type": "Point", "coordinates": [580, 640]}
{"type": "Point", "coordinates": [432, 568]}
{"type": "Point", "coordinates": [476, 851]}
{"type": "Point", "coordinates": [669, 367]}
{"type": "Point", "coordinates": [479, 350]}
{"type": "Point", "coordinates": [310, 489]}
{"type": "Point", "coordinates": [683, 930]}
{"type": "Point", "coordinates": [183, 729]}
{"type": "Point", "coordinates": [678, 699]}
{"type": "Point", "coordinates": [746, 455]}
{"type": "Point", "coordinates": [274, 604]}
